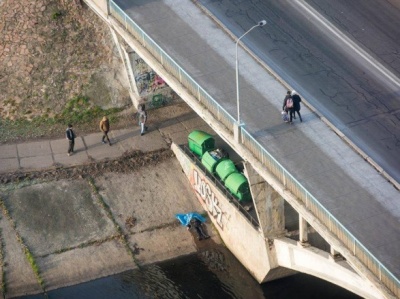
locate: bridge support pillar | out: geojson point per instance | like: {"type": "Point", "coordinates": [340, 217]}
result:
{"type": "Point", "coordinates": [268, 204]}
{"type": "Point", "coordinates": [303, 232]}
{"type": "Point", "coordinates": [128, 68]}
{"type": "Point", "coordinates": [145, 86]}
{"type": "Point", "coordinates": [335, 255]}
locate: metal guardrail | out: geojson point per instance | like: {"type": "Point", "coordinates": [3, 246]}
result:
{"type": "Point", "coordinates": [220, 186]}
{"type": "Point", "coordinates": [290, 183]}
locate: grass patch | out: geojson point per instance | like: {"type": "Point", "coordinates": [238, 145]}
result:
{"type": "Point", "coordinates": [56, 15]}
{"type": "Point", "coordinates": [78, 111]}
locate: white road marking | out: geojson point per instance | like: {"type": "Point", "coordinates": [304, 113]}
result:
{"type": "Point", "coordinates": [351, 44]}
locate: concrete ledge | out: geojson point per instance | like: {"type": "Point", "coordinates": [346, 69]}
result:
{"type": "Point", "coordinates": [162, 244]}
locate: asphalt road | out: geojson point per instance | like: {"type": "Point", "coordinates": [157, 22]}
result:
{"type": "Point", "coordinates": [343, 57]}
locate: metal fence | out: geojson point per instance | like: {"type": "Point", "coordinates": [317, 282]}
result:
{"type": "Point", "coordinates": [220, 186]}
{"type": "Point", "coordinates": [273, 166]}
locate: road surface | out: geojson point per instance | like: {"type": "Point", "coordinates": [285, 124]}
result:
{"type": "Point", "coordinates": [343, 57]}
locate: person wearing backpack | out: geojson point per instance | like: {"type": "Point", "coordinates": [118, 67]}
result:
{"type": "Point", "coordinates": [288, 105]}
{"type": "Point", "coordinates": [296, 104]}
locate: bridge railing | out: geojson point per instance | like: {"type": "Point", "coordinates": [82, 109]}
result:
{"type": "Point", "coordinates": [321, 213]}
{"type": "Point", "coordinates": [273, 166]}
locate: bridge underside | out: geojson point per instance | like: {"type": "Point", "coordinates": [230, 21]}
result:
{"type": "Point", "coordinates": [261, 246]}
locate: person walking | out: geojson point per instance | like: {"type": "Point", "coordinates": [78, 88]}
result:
{"type": "Point", "coordinates": [288, 105]}
{"type": "Point", "coordinates": [70, 135]}
{"type": "Point", "coordinates": [296, 104]}
{"type": "Point", "coordinates": [142, 118]}
{"type": "Point", "coordinates": [105, 128]}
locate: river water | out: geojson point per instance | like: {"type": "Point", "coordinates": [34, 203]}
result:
{"type": "Point", "coordinates": [212, 273]}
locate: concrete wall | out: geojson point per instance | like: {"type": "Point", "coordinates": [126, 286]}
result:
{"type": "Point", "coordinates": [268, 204]}
{"type": "Point", "coordinates": [245, 241]}
{"type": "Point", "coordinates": [316, 262]}
{"type": "Point", "coordinates": [101, 5]}
{"type": "Point", "coordinates": [267, 260]}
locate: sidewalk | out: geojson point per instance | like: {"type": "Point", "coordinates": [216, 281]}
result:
{"type": "Point", "coordinates": [47, 154]}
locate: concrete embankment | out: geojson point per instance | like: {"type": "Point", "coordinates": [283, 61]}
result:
{"type": "Point", "coordinates": [66, 225]}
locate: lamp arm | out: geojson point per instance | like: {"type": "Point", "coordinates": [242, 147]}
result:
{"type": "Point", "coordinates": [246, 32]}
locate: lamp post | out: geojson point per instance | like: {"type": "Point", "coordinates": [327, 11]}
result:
{"type": "Point", "coordinates": [259, 24]}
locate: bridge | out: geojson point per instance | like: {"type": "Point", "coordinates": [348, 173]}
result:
{"type": "Point", "coordinates": [309, 167]}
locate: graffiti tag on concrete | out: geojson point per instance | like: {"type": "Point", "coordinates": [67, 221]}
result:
{"type": "Point", "coordinates": [203, 189]}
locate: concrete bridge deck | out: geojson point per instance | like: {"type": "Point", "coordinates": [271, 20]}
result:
{"type": "Point", "coordinates": [344, 183]}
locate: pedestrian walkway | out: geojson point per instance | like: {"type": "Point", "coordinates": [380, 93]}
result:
{"type": "Point", "coordinates": [45, 154]}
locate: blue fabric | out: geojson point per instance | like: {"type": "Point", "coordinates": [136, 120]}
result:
{"type": "Point", "coordinates": [184, 219]}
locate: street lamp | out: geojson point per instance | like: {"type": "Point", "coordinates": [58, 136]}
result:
{"type": "Point", "coordinates": [259, 24]}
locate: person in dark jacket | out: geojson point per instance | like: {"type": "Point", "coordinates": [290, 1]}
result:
{"type": "Point", "coordinates": [105, 128]}
{"type": "Point", "coordinates": [285, 106]}
{"type": "Point", "coordinates": [70, 135]}
{"type": "Point", "coordinates": [296, 104]}
{"type": "Point", "coordinates": [196, 223]}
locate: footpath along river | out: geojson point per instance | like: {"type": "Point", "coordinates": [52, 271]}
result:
{"type": "Point", "coordinates": [208, 274]}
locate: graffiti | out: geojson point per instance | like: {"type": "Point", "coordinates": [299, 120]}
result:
{"type": "Point", "coordinates": [144, 81]}
{"type": "Point", "coordinates": [147, 80]}
{"type": "Point", "coordinates": [139, 61]}
{"type": "Point", "coordinates": [203, 189]}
